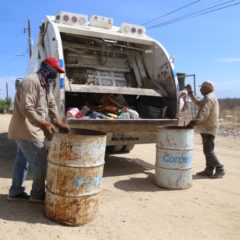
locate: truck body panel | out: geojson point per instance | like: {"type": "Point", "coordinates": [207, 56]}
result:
{"type": "Point", "coordinates": [109, 61]}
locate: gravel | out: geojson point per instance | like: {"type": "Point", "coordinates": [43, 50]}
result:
{"type": "Point", "coordinates": [228, 132]}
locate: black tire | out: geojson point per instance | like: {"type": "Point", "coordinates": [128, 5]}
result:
{"type": "Point", "coordinates": [119, 149]}
{"type": "Point", "coordinates": [114, 149]}
{"type": "Point", "coordinates": [127, 148]}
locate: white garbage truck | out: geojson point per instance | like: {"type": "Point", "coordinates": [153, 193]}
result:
{"type": "Point", "coordinates": [122, 65]}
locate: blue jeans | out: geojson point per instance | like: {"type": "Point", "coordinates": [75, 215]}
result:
{"type": "Point", "coordinates": [31, 154]}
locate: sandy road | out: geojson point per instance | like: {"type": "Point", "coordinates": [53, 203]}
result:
{"type": "Point", "coordinates": [132, 206]}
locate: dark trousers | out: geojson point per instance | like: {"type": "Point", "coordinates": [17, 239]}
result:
{"type": "Point", "coordinates": [208, 149]}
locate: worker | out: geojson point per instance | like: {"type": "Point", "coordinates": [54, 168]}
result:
{"type": "Point", "coordinates": [206, 122]}
{"type": "Point", "coordinates": [33, 105]}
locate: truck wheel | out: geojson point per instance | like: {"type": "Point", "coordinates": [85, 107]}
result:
{"type": "Point", "coordinates": [114, 149]}
{"type": "Point", "coordinates": [127, 148]}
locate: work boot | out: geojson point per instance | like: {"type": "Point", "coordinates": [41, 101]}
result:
{"type": "Point", "coordinates": [207, 172]}
{"type": "Point", "coordinates": [37, 200]}
{"type": "Point", "coordinates": [219, 173]}
{"type": "Point", "coordinates": [40, 199]}
{"type": "Point", "coordinates": [18, 197]}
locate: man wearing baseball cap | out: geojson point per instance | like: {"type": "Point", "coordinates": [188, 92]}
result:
{"type": "Point", "coordinates": [33, 105]}
{"type": "Point", "coordinates": [206, 122]}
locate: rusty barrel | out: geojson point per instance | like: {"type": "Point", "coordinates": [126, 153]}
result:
{"type": "Point", "coordinates": [74, 176]}
{"type": "Point", "coordinates": [174, 157]}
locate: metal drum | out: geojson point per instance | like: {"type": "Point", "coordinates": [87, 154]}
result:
{"type": "Point", "coordinates": [74, 176]}
{"type": "Point", "coordinates": [174, 157]}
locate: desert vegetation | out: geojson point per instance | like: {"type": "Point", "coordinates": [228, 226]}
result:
{"type": "Point", "coordinates": [229, 118]}
{"type": "Point", "coordinates": [230, 106]}
{"type": "Point", "coordinates": [5, 104]}
{"type": "Point", "coordinates": [230, 114]}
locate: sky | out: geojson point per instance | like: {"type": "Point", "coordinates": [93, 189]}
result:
{"type": "Point", "coordinates": [207, 45]}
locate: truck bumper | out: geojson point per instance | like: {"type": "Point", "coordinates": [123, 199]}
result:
{"type": "Point", "coordinates": [124, 132]}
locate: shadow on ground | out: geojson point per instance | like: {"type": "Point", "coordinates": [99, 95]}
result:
{"type": "Point", "coordinates": [144, 184]}
{"type": "Point", "coordinates": [7, 155]}
{"type": "Point", "coordinates": [197, 177]}
{"type": "Point", "coordinates": [22, 211]}
{"type": "Point", "coordinates": [118, 166]}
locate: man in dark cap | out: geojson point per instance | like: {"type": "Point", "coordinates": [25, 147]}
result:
{"type": "Point", "coordinates": [206, 122]}
{"type": "Point", "coordinates": [34, 103]}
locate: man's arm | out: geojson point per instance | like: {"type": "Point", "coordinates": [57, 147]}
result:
{"type": "Point", "coordinates": [28, 101]}
{"type": "Point", "coordinates": [204, 111]}
{"type": "Point", "coordinates": [29, 91]}
{"type": "Point", "coordinates": [202, 114]}
{"type": "Point", "coordinates": [52, 108]}
{"type": "Point", "coordinates": [195, 100]}
{"type": "Point", "coordinates": [54, 115]}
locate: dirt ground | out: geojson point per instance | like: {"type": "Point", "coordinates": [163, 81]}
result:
{"type": "Point", "coordinates": [131, 205]}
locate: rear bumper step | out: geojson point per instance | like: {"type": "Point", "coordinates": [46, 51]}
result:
{"type": "Point", "coordinates": [121, 126]}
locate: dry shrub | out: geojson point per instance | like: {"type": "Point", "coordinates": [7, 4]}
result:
{"type": "Point", "coordinates": [229, 114]}
{"type": "Point", "coordinates": [229, 103]}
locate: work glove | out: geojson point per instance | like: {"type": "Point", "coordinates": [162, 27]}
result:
{"type": "Point", "coordinates": [191, 124]}
{"type": "Point", "coordinates": [62, 126]}
{"type": "Point", "coordinates": [189, 89]}
{"type": "Point", "coordinates": [48, 129]}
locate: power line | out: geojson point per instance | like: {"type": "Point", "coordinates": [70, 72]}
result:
{"type": "Point", "coordinates": [195, 14]}
{"type": "Point", "coordinates": [173, 11]}
{"type": "Point", "coordinates": [11, 60]}
{"type": "Point", "coordinates": [110, 8]}
{"type": "Point", "coordinates": [5, 53]}
{"type": "Point", "coordinates": [178, 9]}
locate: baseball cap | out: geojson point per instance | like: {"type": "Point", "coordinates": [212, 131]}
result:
{"type": "Point", "coordinates": [207, 84]}
{"type": "Point", "coordinates": [54, 63]}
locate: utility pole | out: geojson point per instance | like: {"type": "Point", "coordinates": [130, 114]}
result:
{"type": "Point", "coordinates": [7, 89]}
{"type": "Point", "coordinates": [7, 99]}
{"type": "Point", "coordinates": [29, 38]}
{"type": "Point", "coordinates": [28, 29]}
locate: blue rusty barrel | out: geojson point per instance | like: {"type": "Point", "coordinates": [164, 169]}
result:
{"type": "Point", "coordinates": [174, 157]}
{"type": "Point", "coordinates": [74, 176]}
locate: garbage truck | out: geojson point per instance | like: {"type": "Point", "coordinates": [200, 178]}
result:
{"type": "Point", "coordinates": [120, 67]}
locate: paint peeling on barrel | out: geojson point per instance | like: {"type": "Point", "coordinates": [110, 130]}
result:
{"type": "Point", "coordinates": [73, 181]}
{"type": "Point", "coordinates": [68, 151]}
{"type": "Point", "coordinates": [71, 210]}
{"type": "Point", "coordinates": [74, 176]}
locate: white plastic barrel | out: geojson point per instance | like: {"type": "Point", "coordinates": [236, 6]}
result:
{"type": "Point", "coordinates": [174, 157]}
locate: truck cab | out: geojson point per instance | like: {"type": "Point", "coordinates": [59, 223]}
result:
{"type": "Point", "coordinates": [103, 61]}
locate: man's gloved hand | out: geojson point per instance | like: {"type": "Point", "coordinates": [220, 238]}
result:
{"type": "Point", "coordinates": [191, 124]}
{"type": "Point", "coordinates": [63, 127]}
{"type": "Point", "coordinates": [189, 89]}
{"type": "Point", "coordinates": [48, 129]}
